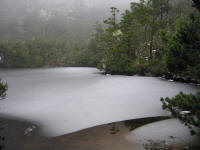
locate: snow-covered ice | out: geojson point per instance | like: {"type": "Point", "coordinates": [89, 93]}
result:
{"type": "Point", "coordinates": [64, 100]}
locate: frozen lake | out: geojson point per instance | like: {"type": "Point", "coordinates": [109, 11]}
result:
{"type": "Point", "coordinates": [64, 100]}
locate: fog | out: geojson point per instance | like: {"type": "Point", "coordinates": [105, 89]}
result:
{"type": "Point", "coordinates": [42, 18]}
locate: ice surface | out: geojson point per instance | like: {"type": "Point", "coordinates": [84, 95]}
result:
{"type": "Point", "coordinates": [64, 100]}
{"type": "Point", "coordinates": [169, 132]}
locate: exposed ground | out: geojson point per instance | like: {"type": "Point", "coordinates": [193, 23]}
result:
{"type": "Point", "coordinates": [104, 137]}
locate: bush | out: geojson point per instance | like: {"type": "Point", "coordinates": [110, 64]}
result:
{"type": "Point", "coordinates": [157, 67]}
{"type": "Point", "coordinates": [3, 89]}
{"type": "Point", "coordinates": [139, 66]}
{"type": "Point", "coordinates": [117, 62]}
{"type": "Point", "coordinates": [185, 107]}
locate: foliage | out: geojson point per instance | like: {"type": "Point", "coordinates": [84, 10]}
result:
{"type": "Point", "coordinates": [44, 53]}
{"type": "Point", "coordinates": [3, 89]}
{"type": "Point", "coordinates": [139, 66]}
{"type": "Point", "coordinates": [185, 107]}
{"type": "Point", "coordinates": [157, 67]}
{"type": "Point", "coordinates": [96, 46]}
{"type": "Point", "coordinates": [183, 56]}
{"type": "Point", "coordinates": [115, 59]}
{"type": "Point", "coordinates": [134, 44]}
{"type": "Point", "coordinates": [183, 59]}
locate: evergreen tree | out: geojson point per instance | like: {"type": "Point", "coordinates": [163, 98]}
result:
{"type": "Point", "coordinates": [186, 108]}
{"type": "Point", "coordinates": [3, 89]}
{"type": "Point", "coordinates": [183, 56]}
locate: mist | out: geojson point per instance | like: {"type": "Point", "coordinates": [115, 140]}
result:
{"type": "Point", "coordinates": [47, 18]}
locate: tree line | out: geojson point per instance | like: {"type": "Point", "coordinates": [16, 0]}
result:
{"type": "Point", "coordinates": [157, 37]}
{"type": "Point", "coordinates": [160, 37]}
{"type": "Point", "coordinates": [44, 53]}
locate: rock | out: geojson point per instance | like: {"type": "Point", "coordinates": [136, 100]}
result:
{"type": "Point", "coordinates": [170, 80]}
{"type": "Point", "coordinates": [29, 129]}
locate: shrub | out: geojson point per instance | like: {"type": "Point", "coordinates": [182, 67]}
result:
{"type": "Point", "coordinates": [185, 107]}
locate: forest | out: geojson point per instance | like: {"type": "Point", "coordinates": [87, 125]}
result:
{"type": "Point", "coordinates": [154, 37]}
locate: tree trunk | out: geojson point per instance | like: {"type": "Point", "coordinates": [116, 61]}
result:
{"type": "Point", "coordinates": [151, 49]}
{"type": "Point", "coordinates": [167, 12]}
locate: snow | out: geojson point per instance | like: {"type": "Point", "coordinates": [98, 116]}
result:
{"type": "Point", "coordinates": [170, 132]}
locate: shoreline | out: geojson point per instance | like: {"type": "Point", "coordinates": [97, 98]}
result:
{"type": "Point", "coordinates": [110, 136]}
{"type": "Point", "coordinates": [165, 76]}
